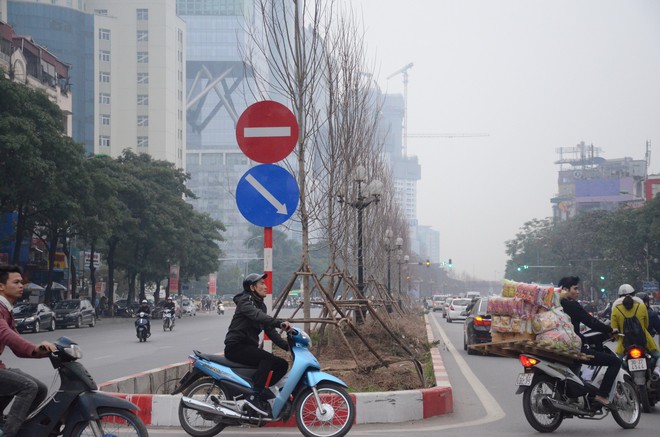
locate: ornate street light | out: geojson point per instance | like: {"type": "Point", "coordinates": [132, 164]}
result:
{"type": "Point", "coordinates": [372, 193]}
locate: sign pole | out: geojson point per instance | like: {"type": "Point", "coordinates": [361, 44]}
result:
{"type": "Point", "coordinates": [268, 268]}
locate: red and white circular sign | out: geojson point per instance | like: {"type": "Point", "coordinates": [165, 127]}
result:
{"type": "Point", "coordinates": [267, 132]}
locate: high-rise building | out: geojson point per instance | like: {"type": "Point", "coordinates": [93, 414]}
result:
{"type": "Point", "coordinates": [127, 62]}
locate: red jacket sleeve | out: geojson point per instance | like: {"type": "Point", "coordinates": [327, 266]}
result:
{"type": "Point", "coordinates": [12, 339]}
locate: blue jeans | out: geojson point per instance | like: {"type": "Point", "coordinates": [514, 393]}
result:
{"type": "Point", "coordinates": [27, 391]}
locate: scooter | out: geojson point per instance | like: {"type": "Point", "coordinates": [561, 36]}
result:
{"type": "Point", "coordinates": [221, 309]}
{"type": "Point", "coordinates": [78, 408]}
{"type": "Point", "coordinates": [141, 324]}
{"type": "Point", "coordinates": [640, 365]}
{"type": "Point", "coordinates": [553, 391]}
{"type": "Point", "coordinates": [215, 390]}
{"type": "Point", "coordinates": [168, 319]}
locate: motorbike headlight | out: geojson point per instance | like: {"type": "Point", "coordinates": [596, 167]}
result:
{"type": "Point", "coordinates": [73, 351]}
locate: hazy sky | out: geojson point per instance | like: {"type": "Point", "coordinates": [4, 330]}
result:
{"type": "Point", "coordinates": [535, 76]}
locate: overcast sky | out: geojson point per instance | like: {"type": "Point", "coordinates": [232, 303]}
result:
{"type": "Point", "coordinates": [535, 76]}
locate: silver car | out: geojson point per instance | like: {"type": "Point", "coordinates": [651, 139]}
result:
{"type": "Point", "coordinates": [456, 309]}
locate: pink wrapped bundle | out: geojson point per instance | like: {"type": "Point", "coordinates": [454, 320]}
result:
{"type": "Point", "coordinates": [501, 324]}
{"type": "Point", "coordinates": [527, 292]}
{"type": "Point", "coordinates": [560, 339]}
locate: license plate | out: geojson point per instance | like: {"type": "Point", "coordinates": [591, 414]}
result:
{"type": "Point", "coordinates": [637, 364]}
{"type": "Point", "coordinates": [525, 379]}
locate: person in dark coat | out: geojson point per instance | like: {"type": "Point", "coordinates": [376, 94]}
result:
{"type": "Point", "coordinates": [571, 306]}
{"type": "Point", "coordinates": [242, 339]}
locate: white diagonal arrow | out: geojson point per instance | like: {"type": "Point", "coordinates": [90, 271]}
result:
{"type": "Point", "coordinates": [280, 207]}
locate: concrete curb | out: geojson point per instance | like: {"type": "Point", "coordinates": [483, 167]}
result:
{"type": "Point", "coordinates": [376, 407]}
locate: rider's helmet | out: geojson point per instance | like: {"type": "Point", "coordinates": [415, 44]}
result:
{"type": "Point", "coordinates": [645, 297]}
{"type": "Point", "coordinates": [144, 300]}
{"type": "Point", "coordinates": [625, 290]}
{"type": "Point", "coordinates": [253, 278]}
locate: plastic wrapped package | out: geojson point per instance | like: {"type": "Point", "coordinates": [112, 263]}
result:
{"type": "Point", "coordinates": [561, 339]}
{"type": "Point", "coordinates": [501, 324]}
{"type": "Point", "coordinates": [545, 321]}
{"type": "Point", "coordinates": [509, 288]}
{"type": "Point", "coordinates": [527, 292]}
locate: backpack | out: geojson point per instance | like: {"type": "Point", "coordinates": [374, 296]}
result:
{"type": "Point", "coordinates": [633, 332]}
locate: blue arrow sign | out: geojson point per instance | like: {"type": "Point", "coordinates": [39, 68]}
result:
{"type": "Point", "coordinates": [267, 195]}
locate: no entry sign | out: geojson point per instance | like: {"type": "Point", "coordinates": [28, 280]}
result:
{"type": "Point", "coordinates": [267, 132]}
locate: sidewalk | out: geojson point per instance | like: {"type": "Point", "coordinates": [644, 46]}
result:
{"type": "Point", "coordinates": [374, 407]}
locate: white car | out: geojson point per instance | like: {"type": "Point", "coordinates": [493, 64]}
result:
{"type": "Point", "coordinates": [189, 308]}
{"type": "Point", "coordinates": [456, 309]}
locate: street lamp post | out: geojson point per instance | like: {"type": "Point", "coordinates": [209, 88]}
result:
{"type": "Point", "coordinates": [389, 248]}
{"type": "Point", "coordinates": [406, 258]}
{"type": "Point", "coordinates": [371, 194]}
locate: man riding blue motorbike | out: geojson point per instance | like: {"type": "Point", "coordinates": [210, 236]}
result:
{"type": "Point", "coordinates": [242, 340]}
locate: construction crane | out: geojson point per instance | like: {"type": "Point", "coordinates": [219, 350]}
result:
{"type": "Point", "coordinates": [404, 72]}
{"type": "Point", "coordinates": [450, 135]}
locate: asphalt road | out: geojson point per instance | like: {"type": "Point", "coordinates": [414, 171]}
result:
{"type": "Point", "coordinates": [483, 386]}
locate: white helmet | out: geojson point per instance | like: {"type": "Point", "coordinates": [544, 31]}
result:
{"type": "Point", "coordinates": [625, 290]}
{"type": "Point", "coordinates": [144, 301]}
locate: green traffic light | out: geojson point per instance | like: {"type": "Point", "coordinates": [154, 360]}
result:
{"type": "Point", "coordinates": [602, 278]}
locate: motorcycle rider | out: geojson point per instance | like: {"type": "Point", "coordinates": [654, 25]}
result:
{"type": "Point", "coordinates": [169, 305]}
{"type": "Point", "coordinates": [629, 306]}
{"type": "Point", "coordinates": [144, 308]}
{"type": "Point", "coordinates": [654, 318]}
{"type": "Point", "coordinates": [571, 306]}
{"type": "Point", "coordinates": [242, 340]}
{"type": "Point", "coordinates": [27, 391]}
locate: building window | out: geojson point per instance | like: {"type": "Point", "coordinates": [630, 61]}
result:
{"type": "Point", "coordinates": [105, 120]}
{"type": "Point", "coordinates": [143, 141]}
{"type": "Point", "coordinates": [143, 120]}
{"type": "Point", "coordinates": [143, 100]}
{"type": "Point", "coordinates": [143, 35]}
{"type": "Point", "coordinates": [104, 34]}
{"type": "Point", "coordinates": [104, 77]}
{"type": "Point", "coordinates": [104, 56]}
{"type": "Point", "coordinates": [104, 99]}
{"type": "Point", "coordinates": [142, 14]}
{"type": "Point", "coordinates": [104, 141]}
{"type": "Point", "coordinates": [143, 57]}
{"type": "Point", "coordinates": [143, 78]}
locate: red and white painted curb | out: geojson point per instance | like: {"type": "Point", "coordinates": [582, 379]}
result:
{"type": "Point", "coordinates": [377, 407]}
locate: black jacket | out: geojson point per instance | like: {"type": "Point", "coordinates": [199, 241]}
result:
{"type": "Point", "coordinates": [579, 315]}
{"type": "Point", "coordinates": [250, 318]}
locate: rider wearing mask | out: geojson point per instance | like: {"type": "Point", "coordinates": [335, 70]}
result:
{"type": "Point", "coordinates": [571, 306]}
{"type": "Point", "coordinates": [242, 340]}
{"type": "Point", "coordinates": [169, 304]}
{"type": "Point", "coordinates": [144, 308]}
{"type": "Point", "coordinates": [27, 391]}
{"type": "Point", "coordinates": [628, 305]}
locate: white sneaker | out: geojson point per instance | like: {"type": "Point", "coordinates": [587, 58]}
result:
{"type": "Point", "coordinates": [656, 371]}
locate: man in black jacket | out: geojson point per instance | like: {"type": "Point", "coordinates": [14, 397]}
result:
{"type": "Point", "coordinates": [242, 339]}
{"type": "Point", "coordinates": [571, 306]}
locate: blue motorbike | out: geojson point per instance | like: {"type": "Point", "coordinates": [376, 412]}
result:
{"type": "Point", "coordinates": [215, 390]}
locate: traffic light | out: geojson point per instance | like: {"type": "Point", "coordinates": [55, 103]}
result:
{"type": "Point", "coordinates": [525, 267]}
{"type": "Point", "coordinates": [602, 278]}
{"type": "Point", "coordinates": [428, 263]}
{"type": "Point", "coordinates": [519, 268]}
{"type": "Point", "coordinates": [522, 267]}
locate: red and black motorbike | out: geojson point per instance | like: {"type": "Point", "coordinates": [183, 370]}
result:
{"type": "Point", "coordinates": [639, 364]}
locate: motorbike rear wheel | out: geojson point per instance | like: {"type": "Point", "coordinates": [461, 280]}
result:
{"type": "Point", "coordinates": [197, 423]}
{"type": "Point", "coordinates": [115, 422]}
{"type": "Point", "coordinates": [644, 398]}
{"type": "Point", "coordinates": [541, 418]}
{"type": "Point", "coordinates": [334, 419]}
{"type": "Point", "coordinates": [626, 410]}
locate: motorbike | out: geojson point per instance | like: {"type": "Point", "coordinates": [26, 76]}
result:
{"type": "Point", "coordinates": [141, 324]}
{"type": "Point", "coordinates": [640, 365]}
{"type": "Point", "coordinates": [168, 319]}
{"type": "Point", "coordinates": [221, 309]}
{"type": "Point", "coordinates": [78, 408]}
{"type": "Point", "coordinates": [215, 390]}
{"type": "Point", "coordinates": [553, 391]}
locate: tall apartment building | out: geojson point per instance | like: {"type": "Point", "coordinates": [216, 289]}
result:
{"type": "Point", "coordinates": [128, 69]}
{"type": "Point", "coordinates": [218, 91]}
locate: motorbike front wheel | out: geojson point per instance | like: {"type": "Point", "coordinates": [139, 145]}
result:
{"type": "Point", "coordinates": [333, 418]}
{"type": "Point", "coordinates": [626, 410]}
{"type": "Point", "coordinates": [538, 415]}
{"type": "Point", "coordinates": [114, 422]}
{"type": "Point", "coordinates": [197, 423]}
{"type": "Point", "coordinates": [166, 324]}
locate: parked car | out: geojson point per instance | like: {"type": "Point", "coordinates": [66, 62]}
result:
{"type": "Point", "coordinates": [188, 308]}
{"type": "Point", "coordinates": [476, 328]}
{"type": "Point", "coordinates": [456, 309]}
{"type": "Point", "coordinates": [76, 312]}
{"type": "Point", "coordinates": [33, 317]}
